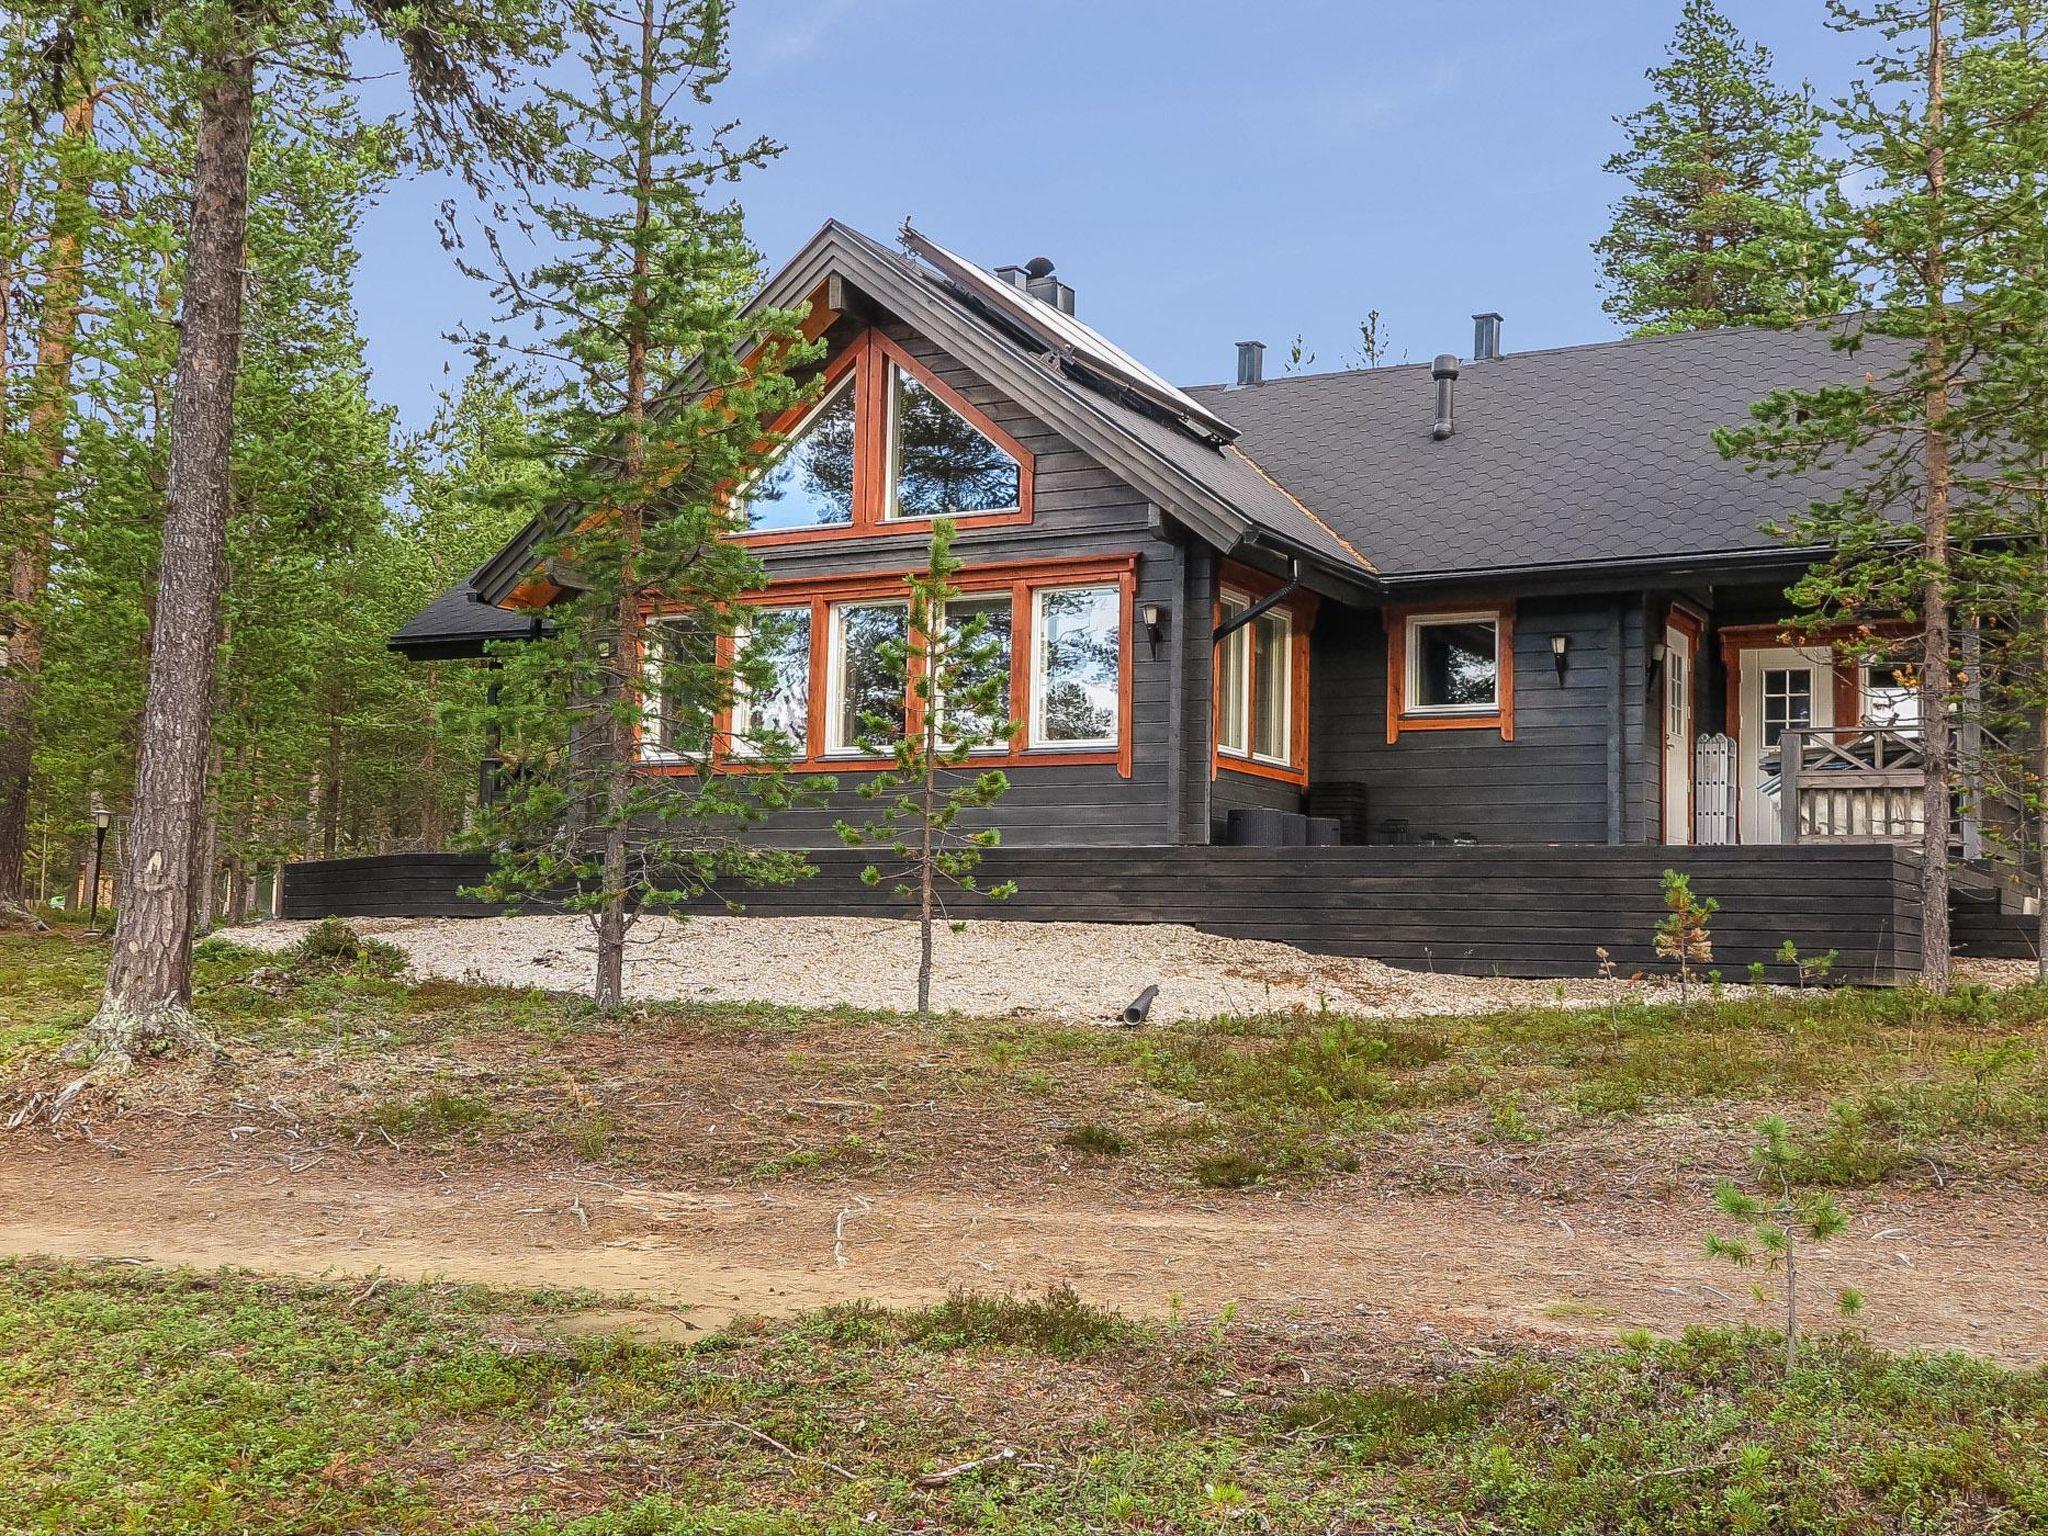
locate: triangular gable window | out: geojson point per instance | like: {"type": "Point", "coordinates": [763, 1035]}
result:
{"type": "Point", "coordinates": [942, 465]}
{"type": "Point", "coordinates": [811, 485]}
{"type": "Point", "coordinates": [889, 442]}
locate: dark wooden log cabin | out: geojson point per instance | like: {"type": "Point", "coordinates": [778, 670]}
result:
{"type": "Point", "coordinates": [1488, 601]}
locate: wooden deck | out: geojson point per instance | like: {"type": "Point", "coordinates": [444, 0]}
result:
{"type": "Point", "coordinates": [1509, 910]}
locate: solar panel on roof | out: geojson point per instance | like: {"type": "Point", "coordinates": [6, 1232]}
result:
{"type": "Point", "coordinates": [1062, 334]}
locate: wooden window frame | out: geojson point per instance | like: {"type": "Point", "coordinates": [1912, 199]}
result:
{"type": "Point", "coordinates": [1249, 586]}
{"type": "Point", "coordinates": [870, 357]}
{"type": "Point", "coordinates": [1022, 580]}
{"type": "Point", "coordinates": [1500, 716]}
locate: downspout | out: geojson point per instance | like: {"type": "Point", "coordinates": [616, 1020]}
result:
{"type": "Point", "coordinates": [1262, 607]}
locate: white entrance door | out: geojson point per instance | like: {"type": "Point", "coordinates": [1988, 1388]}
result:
{"type": "Point", "coordinates": [1782, 688]}
{"type": "Point", "coordinates": [1678, 759]}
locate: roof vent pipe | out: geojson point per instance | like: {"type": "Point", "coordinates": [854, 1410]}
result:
{"type": "Point", "coordinates": [1251, 363]}
{"type": "Point", "coordinates": [1485, 337]}
{"type": "Point", "coordinates": [1445, 372]}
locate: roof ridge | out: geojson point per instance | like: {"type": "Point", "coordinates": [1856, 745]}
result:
{"type": "Point", "coordinates": [1718, 333]}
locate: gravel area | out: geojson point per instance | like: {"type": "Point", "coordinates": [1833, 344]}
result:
{"type": "Point", "coordinates": [1070, 971]}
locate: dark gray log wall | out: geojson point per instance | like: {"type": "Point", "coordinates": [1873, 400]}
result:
{"type": "Point", "coordinates": [1578, 771]}
{"type": "Point", "coordinates": [1523, 911]}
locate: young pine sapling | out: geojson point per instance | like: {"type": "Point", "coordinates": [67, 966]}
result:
{"type": "Point", "coordinates": [1684, 934]}
{"type": "Point", "coordinates": [1775, 1221]}
{"type": "Point", "coordinates": [954, 663]}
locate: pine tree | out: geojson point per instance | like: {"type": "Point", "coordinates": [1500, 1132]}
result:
{"type": "Point", "coordinates": [460, 57]}
{"type": "Point", "coordinates": [1943, 113]}
{"type": "Point", "coordinates": [956, 674]}
{"type": "Point", "coordinates": [1719, 226]}
{"type": "Point", "coordinates": [630, 795]}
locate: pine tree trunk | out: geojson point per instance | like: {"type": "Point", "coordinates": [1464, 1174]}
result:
{"type": "Point", "coordinates": [1791, 1302]}
{"type": "Point", "coordinates": [1937, 795]}
{"type": "Point", "coordinates": [149, 980]}
{"type": "Point", "coordinates": [206, 870]}
{"type": "Point", "coordinates": [926, 852]}
{"type": "Point", "coordinates": [34, 521]}
{"type": "Point", "coordinates": [330, 789]}
{"type": "Point", "coordinates": [628, 636]}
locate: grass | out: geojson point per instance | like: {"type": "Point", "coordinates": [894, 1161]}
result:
{"type": "Point", "coordinates": [1879, 1084]}
{"type": "Point", "coordinates": [134, 1401]}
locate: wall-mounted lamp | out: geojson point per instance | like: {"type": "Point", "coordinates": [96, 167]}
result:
{"type": "Point", "coordinates": [1559, 644]}
{"type": "Point", "coordinates": [1657, 650]}
{"type": "Point", "coordinates": [1155, 616]}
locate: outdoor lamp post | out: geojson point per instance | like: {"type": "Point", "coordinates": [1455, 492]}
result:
{"type": "Point", "coordinates": [102, 818]}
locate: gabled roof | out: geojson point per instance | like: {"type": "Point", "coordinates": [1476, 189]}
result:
{"type": "Point", "coordinates": [1187, 469]}
{"type": "Point", "coordinates": [459, 623]}
{"type": "Point", "coordinates": [1596, 455]}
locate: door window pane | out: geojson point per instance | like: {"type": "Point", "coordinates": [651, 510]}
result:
{"type": "Point", "coordinates": [1077, 666]}
{"type": "Point", "coordinates": [943, 466]}
{"type": "Point", "coordinates": [867, 691]}
{"type": "Point", "coordinates": [1890, 700]}
{"type": "Point", "coordinates": [811, 484]}
{"type": "Point", "coordinates": [993, 670]}
{"type": "Point", "coordinates": [1233, 683]}
{"type": "Point", "coordinates": [1675, 661]}
{"type": "Point", "coordinates": [1787, 701]}
{"type": "Point", "coordinates": [1454, 664]}
{"type": "Point", "coordinates": [1272, 695]}
{"type": "Point", "coordinates": [778, 707]}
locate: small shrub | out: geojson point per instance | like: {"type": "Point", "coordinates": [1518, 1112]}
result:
{"type": "Point", "coordinates": [1059, 1323]}
{"type": "Point", "coordinates": [1683, 935]}
{"type": "Point", "coordinates": [331, 945]}
{"type": "Point", "coordinates": [436, 1113]}
{"type": "Point", "coordinates": [1097, 1139]}
{"type": "Point", "coordinates": [1229, 1170]}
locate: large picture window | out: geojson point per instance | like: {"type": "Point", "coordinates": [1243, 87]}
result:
{"type": "Point", "coordinates": [775, 707]}
{"type": "Point", "coordinates": [1076, 667]}
{"type": "Point", "coordinates": [958, 719]}
{"type": "Point", "coordinates": [889, 444]}
{"type": "Point", "coordinates": [820, 671]}
{"type": "Point", "coordinates": [865, 704]}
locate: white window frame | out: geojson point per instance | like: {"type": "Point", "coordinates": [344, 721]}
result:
{"type": "Point", "coordinates": [1037, 737]}
{"type": "Point", "coordinates": [846, 381]}
{"type": "Point", "coordinates": [892, 454]}
{"type": "Point", "coordinates": [1411, 703]}
{"type": "Point", "coordinates": [835, 651]}
{"type": "Point", "coordinates": [1247, 635]}
{"type": "Point", "coordinates": [741, 725]}
{"type": "Point", "coordinates": [1004, 599]}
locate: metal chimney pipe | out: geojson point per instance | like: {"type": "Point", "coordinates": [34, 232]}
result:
{"type": "Point", "coordinates": [1251, 363]}
{"type": "Point", "coordinates": [1485, 337]}
{"type": "Point", "coordinates": [1445, 372]}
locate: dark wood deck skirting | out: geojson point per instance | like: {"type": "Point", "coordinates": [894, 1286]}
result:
{"type": "Point", "coordinates": [1506, 910]}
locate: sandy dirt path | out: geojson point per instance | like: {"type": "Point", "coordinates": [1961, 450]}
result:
{"type": "Point", "coordinates": [1938, 1271]}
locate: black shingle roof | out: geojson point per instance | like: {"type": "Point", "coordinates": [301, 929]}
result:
{"type": "Point", "coordinates": [1580, 455]}
{"type": "Point", "coordinates": [458, 623]}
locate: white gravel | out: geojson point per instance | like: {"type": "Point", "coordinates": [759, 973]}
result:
{"type": "Point", "coordinates": [1070, 971]}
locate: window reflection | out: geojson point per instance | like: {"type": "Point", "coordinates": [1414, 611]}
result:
{"type": "Point", "coordinates": [811, 484]}
{"type": "Point", "coordinates": [944, 467]}
{"type": "Point", "coordinates": [1078, 662]}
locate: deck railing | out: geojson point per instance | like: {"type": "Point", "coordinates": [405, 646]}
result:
{"type": "Point", "coordinates": [1851, 786]}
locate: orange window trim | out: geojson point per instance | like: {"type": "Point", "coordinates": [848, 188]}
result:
{"type": "Point", "coordinates": [1301, 611]}
{"type": "Point", "coordinates": [1501, 718]}
{"type": "Point", "coordinates": [1022, 579]}
{"type": "Point", "coordinates": [868, 356]}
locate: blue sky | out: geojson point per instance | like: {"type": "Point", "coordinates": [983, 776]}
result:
{"type": "Point", "coordinates": [1200, 170]}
